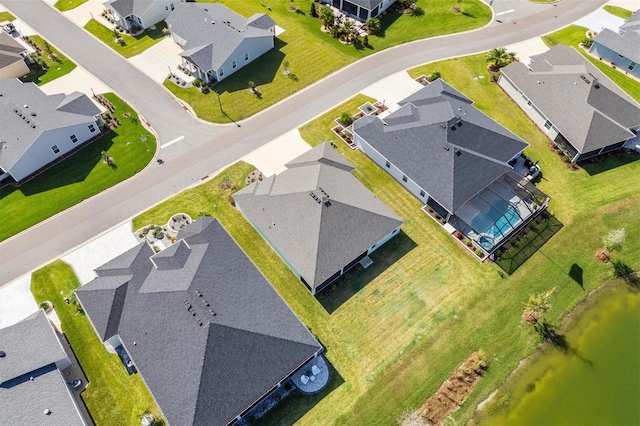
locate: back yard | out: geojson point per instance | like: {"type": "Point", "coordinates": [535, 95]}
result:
{"type": "Point", "coordinates": [312, 55]}
{"type": "Point", "coordinates": [399, 334]}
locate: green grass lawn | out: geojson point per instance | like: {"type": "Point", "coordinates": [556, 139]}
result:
{"type": "Point", "coordinates": [429, 303]}
{"type": "Point", "coordinates": [620, 12]}
{"type": "Point", "coordinates": [6, 16]}
{"type": "Point", "coordinates": [80, 176]}
{"type": "Point", "coordinates": [113, 397]}
{"type": "Point", "coordinates": [64, 5]}
{"type": "Point", "coordinates": [572, 36]}
{"type": "Point", "coordinates": [313, 55]}
{"type": "Point", "coordinates": [132, 45]}
{"type": "Point", "coordinates": [56, 68]}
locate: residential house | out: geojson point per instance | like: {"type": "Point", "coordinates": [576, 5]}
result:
{"type": "Point", "coordinates": [216, 41]}
{"type": "Point", "coordinates": [317, 216]}
{"type": "Point", "coordinates": [361, 9]}
{"type": "Point", "coordinates": [577, 106]}
{"type": "Point", "coordinates": [33, 389]}
{"type": "Point", "coordinates": [621, 47]}
{"type": "Point", "coordinates": [12, 57]}
{"type": "Point", "coordinates": [37, 129]}
{"type": "Point", "coordinates": [456, 160]}
{"type": "Point", "coordinates": [136, 15]}
{"type": "Point", "coordinates": [206, 331]}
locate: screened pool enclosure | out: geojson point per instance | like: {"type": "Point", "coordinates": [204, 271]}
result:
{"type": "Point", "coordinates": [493, 214]}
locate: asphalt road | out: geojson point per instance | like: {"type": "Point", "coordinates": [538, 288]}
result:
{"type": "Point", "coordinates": [206, 147]}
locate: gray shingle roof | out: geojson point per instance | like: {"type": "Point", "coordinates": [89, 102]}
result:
{"type": "Point", "coordinates": [205, 374]}
{"type": "Point", "coordinates": [626, 44]}
{"type": "Point", "coordinates": [633, 23]}
{"type": "Point", "coordinates": [28, 345]}
{"type": "Point", "coordinates": [213, 31]}
{"type": "Point", "coordinates": [9, 50]}
{"type": "Point", "coordinates": [20, 102]}
{"type": "Point", "coordinates": [131, 7]}
{"type": "Point", "coordinates": [32, 348]}
{"type": "Point", "coordinates": [442, 142]}
{"type": "Point", "coordinates": [590, 112]}
{"type": "Point", "coordinates": [317, 238]}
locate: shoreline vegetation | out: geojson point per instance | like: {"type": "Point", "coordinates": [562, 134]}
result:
{"type": "Point", "coordinates": [494, 402]}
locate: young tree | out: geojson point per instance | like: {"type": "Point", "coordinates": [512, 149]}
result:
{"type": "Point", "coordinates": [537, 306]}
{"type": "Point", "coordinates": [613, 240]}
{"type": "Point", "coordinates": [327, 17]}
{"type": "Point", "coordinates": [313, 11]}
{"type": "Point", "coordinates": [252, 87]}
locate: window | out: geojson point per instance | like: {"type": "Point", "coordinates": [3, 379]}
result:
{"type": "Point", "coordinates": [55, 149]}
{"type": "Point", "coordinates": [547, 125]}
{"type": "Point", "coordinates": [220, 72]}
{"type": "Point", "coordinates": [73, 138]}
{"type": "Point", "coordinates": [234, 64]}
{"type": "Point", "coordinates": [388, 165]}
{"type": "Point", "coordinates": [92, 128]}
{"type": "Point", "coordinates": [246, 56]}
{"type": "Point", "coordinates": [632, 65]}
{"type": "Point", "coordinates": [167, 8]}
{"type": "Point", "coordinates": [404, 178]}
{"type": "Point", "coordinates": [422, 193]}
{"type": "Point", "coordinates": [529, 104]}
{"type": "Point", "coordinates": [620, 56]}
{"type": "Point", "coordinates": [172, 6]}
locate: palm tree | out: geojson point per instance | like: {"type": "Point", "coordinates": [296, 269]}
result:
{"type": "Point", "coordinates": [327, 17]}
{"type": "Point", "coordinates": [500, 57]}
{"type": "Point", "coordinates": [373, 26]}
{"type": "Point", "coordinates": [538, 305]}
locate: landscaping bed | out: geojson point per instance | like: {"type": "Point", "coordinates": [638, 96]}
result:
{"type": "Point", "coordinates": [49, 62]}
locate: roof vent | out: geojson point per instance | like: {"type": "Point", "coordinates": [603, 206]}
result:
{"type": "Point", "coordinates": [33, 126]}
{"type": "Point", "coordinates": [596, 85]}
{"type": "Point", "coordinates": [446, 148]}
{"type": "Point", "coordinates": [458, 152]}
{"type": "Point", "coordinates": [26, 106]}
{"type": "Point", "coordinates": [31, 378]}
{"type": "Point", "coordinates": [2, 354]}
{"type": "Point", "coordinates": [327, 203]}
{"type": "Point", "coordinates": [47, 411]}
{"type": "Point", "coordinates": [444, 126]}
{"type": "Point", "coordinates": [33, 114]}
{"type": "Point", "coordinates": [453, 127]}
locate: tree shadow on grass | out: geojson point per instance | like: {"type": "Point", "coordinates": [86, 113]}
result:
{"type": "Point", "coordinates": [345, 287]}
{"type": "Point", "coordinates": [296, 404]}
{"type": "Point", "coordinates": [261, 71]}
{"type": "Point", "coordinates": [72, 169]}
{"type": "Point", "coordinates": [387, 21]}
{"type": "Point", "coordinates": [605, 163]}
{"type": "Point", "coordinates": [576, 273]}
{"type": "Point", "coordinates": [624, 271]}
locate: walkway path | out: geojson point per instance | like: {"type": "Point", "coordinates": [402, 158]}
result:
{"type": "Point", "coordinates": [206, 148]}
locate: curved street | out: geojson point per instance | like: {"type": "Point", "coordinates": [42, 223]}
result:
{"type": "Point", "coordinates": [206, 147]}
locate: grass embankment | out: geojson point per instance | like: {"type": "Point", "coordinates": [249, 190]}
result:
{"type": "Point", "coordinates": [132, 45]}
{"type": "Point", "coordinates": [428, 303]}
{"type": "Point", "coordinates": [572, 36]}
{"type": "Point", "coordinates": [618, 11]}
{"type": "Point", "coordinates": [80, 176]}
{"type": "Point", "coordinates": [113, 397]}
{"type": "Point", "coordinates": [57, 65]}
{"type": "Point", "coordinates": [312, 55]}
{"type": "Point", "coordinates": [64, 5]}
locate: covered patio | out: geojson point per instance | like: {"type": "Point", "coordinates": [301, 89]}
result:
{"type": "Point", "coordinates": [495, 213]}
{"type": "Point", "coordinates": [360, 9]}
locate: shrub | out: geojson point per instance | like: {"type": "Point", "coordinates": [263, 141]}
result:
{"type": "Point", "coordinates": [437, 216]}
{"type": "Point", "coordinates": [478, 252]}
{"type": "Point", "coordinates": [567, 159]}
{"type": "Point", "coordinates": [345, 119]}
{"type": "Point", "coordinates": [373, 26]}
{"type": "Point", "coordinates": [459, 235]}
{"type": "Point", "coordinates": [198, 82]}
{"type": "Point", "coordinates": [467, 241]}
{"type": "Point", "coordinates": [587, 42]}
{"type": "Point", "coordinates": [443, 221]}
{"type": "Point", "coordinates": [313, 11]}
{"type": "Point", "coordinates": [434, 76]}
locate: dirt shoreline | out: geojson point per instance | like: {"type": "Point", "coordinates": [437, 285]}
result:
{"type": "Point", "coordinates": [566, 323]}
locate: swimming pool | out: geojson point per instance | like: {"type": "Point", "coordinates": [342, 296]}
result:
{"type": "Point", "coordinates": [493, 224]}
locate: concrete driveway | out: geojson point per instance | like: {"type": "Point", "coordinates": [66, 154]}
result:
{"type": "Point", "coordinates": [271, 157]}
{"type": "Point", "coordinates": [16, 301]}
{"type": "Point", "coordinates": [99, 251]}
{"type": "Point", "coordinates": [157, 60]}
{"type": "Point", "coordinates": [392, 89]}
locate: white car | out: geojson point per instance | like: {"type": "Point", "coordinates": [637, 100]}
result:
{"type": "Point", "coordinates": [9, 28]}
